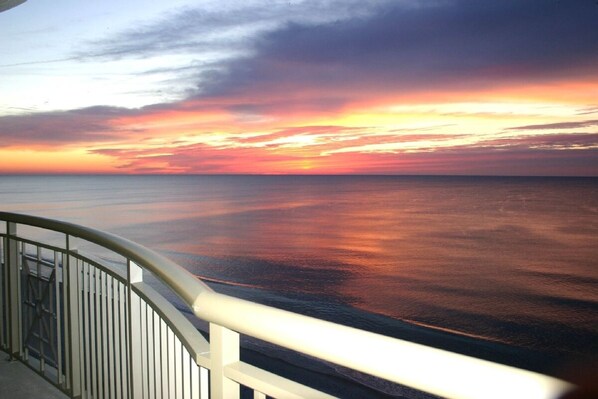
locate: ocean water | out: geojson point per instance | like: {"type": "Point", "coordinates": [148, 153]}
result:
{"type": "Point", "coordinates": [504, 268]}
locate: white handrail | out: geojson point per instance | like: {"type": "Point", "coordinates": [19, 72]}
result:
{"type": "Point", "coordinates": [429, 369]}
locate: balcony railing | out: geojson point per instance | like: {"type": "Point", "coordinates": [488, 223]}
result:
{"type": "Point", "coordinates": [96, 329]}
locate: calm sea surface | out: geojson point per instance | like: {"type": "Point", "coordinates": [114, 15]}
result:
{"type": "Point", "coordinates": [502, 268]}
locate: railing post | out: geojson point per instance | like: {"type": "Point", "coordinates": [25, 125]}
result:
{"type": "Point", "coordinates": [134, 275]}
{"type": "Point", "coordinates": [2, 293]}
{"type": "Point", "coordinates": [72, 319]}
{"type": "Point", "coordinates": [13, 287]}
{"type": "Point", "coordinates": [224, 350]}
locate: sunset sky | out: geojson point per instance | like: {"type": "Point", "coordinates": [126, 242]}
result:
{"type": "Point", "coordinates": [505, 87]}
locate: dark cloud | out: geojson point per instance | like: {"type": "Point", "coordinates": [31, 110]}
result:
{"type": "Point", "coordinates": [559, 125]}
{"type": "Point", "coordinates": [303, 131]}
{"type": "Point", "coordinates": [551, 141]}
{"type": "Point", "coordinates": [414, 46]}
{"type": "Point", "coordinates": [588, 111]}
{"type": "Point", "coordinates": [61, 127]}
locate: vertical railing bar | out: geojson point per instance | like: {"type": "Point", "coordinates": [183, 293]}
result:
{"type": "Point", "coordinates": [51, 307]}
{"type": "Point", "coordinates": [98, 331]}
{"type": "Point", "coordinates": [38, 302]}
{"type": "Point", "coordinates": [68, 317]}
{"type": "Point", "coordinates": [194, 368]}
{"type": "Point", "coordinates": [100, 322]}
{"type": "Point", "coordinates": [4, 300]}
{"type": "Point", "coordinates": [123, 336]}
{"type": "Point", "coordinates": [88, 320]}
{"type": "Point", "coordinates": [27, 311]}
{"type": "Point", "coordinates": [73, 291]}
{"type": "Point", "coordinates": [19, 296]}
{"type": "Point", "coordinates": [164, 358]}
{"type": "Point", "coordinates": [110, 337]}
{"type": "Point", "coordinates": [2, 291]}
{"type": "Point", "coordinates": [204, 383]}
{"type": "Point", "coordinates": [57, 277]}
{"type": "Point", "coordinates": [188, 379]}
{"type": "Point", "coordinates": [135, 318]}
{"type": "Point", "coordinates": [12, 284]}
{"type": "Point", "coordinates": [191, 368]}
{"type": "Point", "coordinates": [6, 282]}
{"type": "Point", "coordinates": [151, 373]}
{"type": "Point", "coordinates": [92, 333]}
{"type": "Point", "coordinates": [105, 360]}
{"type": "Point", "coordinates": [157, 355]}
{"type": "Point", "coordinates": [130, 322]}
{"type": "Point", "coordinates": [171, 368]}
{"type": "Point", "coordinates": [144, 359]}
{"type": "Point", "coordinates": [178, 363]}
{"type": "Point", "coordinates": [83, 329]}
{"type": "Point", "coordinates": [118, 382]}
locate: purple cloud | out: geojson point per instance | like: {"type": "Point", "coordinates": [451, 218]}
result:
{"type": "Point", "coordinates": [559, 125]}
{"type": "Point", "coordinates": [413, 46]}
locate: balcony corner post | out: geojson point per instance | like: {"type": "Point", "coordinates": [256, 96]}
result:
{"type": "Point", "coordinates": [224, 350]}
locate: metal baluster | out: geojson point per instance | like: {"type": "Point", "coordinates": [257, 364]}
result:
{"type": "Point", "coordinates": [39, 307]}
{"type": "Point", "coordinates": [171, 367]}
{"type": "Point", "coordinates": [99, 337]}
{"type": "Point", "coordinates": [2, 292]}
{"type": "Point", "coordinates": [111, 379]}
{"type": "Point", "coordinates": [123, 337]}
{"type": "Point", "coordinates": [194, 371]}
{"type": "Point", "coordinates": [186, 368]}
{"type": "Point", "coordinates": [204, 381]}
{"type": "Point", "coordinates": [143, 338]}
{"type": "Point", "coordinates": [164, 358]}
{"type": "Point", "coordinates": [135, 275]}
{"type": "Point", "coordinates": [19, 299]}
{"type": "Point", "coordinates": [157, 355]}
{"type": "Point", "coordinates": [57, 279]}
{"type": "Point", "coordinates": [149, 330]}
{"type": "Point", "coordinates": [105, 348]}
{"type": "Point", "coordinates": [71, 288]}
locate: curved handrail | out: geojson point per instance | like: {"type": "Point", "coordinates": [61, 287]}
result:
{"type": "Point", "coordinates": [183, 283]}
{"type": "Point", "coordinates": [430, 369]}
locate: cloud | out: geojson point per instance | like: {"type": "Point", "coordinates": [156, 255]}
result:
{"type": "Point", "coordinates": [546, 141]}
{"type": "Point", "coordinates": [457, 44]}
{"type": "Point", "coordinates": [588, 111]}
{"type": "Point", "coordinates": [302, 131]}
{"type": "Point", "coordinates": [224, 28]}
{"type": "Point", "coordinates": [562, 154]}
{"type": "Point", "coordinates": [559, 125]}
{"type": "Point", "coordinates": [61, 128]}
{"type": "Point", "coordinates": [203, 159]}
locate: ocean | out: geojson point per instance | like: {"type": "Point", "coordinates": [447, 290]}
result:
{"type": "Point", "coordinates": [503, 268]}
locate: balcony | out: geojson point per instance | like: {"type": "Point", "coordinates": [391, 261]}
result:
{"type": "Point", "coordinates": [97, 327]}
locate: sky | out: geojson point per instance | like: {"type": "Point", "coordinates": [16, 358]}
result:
{"type": "Point", "coordinates": [463, 87]}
